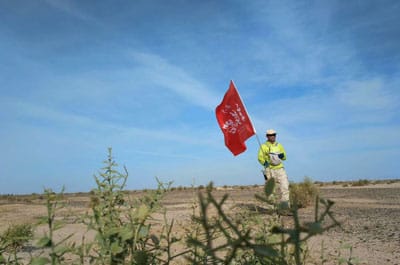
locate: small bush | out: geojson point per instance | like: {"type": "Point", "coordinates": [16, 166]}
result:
{"type": "Point", "coordinates": [12, 240]}
{"type": "Point", "coordinates": [126, 232]}
{"type": "Point", "coordinates": [303, 193]}
{"type": "Point", "coordinates": [248, 238]}
{"type": "Point", "coordinates": [123, 233]}
{"type": "Point", "coordinates": [16, 236]}
{"type": "Point", "coordinates": [361, 182]}
{"type": "Point", "coordinates": [319, 183]}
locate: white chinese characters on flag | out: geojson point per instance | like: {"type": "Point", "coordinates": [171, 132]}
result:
{"type": "Point", "coordinates": [234, 121]}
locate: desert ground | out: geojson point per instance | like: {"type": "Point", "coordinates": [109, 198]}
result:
{"type": "Point", "coordinates": [369, 217]}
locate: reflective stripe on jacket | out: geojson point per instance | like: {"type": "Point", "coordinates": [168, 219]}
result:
{"type": "Point", "coordinates": [268, 147]}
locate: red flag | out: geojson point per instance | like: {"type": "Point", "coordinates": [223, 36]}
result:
{"type": "Point", "coordinates": [234, 121]}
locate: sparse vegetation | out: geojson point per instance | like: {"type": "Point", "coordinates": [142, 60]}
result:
{"type": "Point", "coordinates": [125, 231]}
{"type": "Point", "coordinates": [319, 183]}
{"type": "Point", "coordinates": [248, 238]}
{"type": "Point", "coordinates": [361, 182]}
{"type": "Point", "coordinates": [392, 181]}
{"type": "Point", "coordinates": [12, 240]}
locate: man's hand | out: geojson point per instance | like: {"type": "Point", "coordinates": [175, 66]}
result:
{"type": "Point", "coordinates": [281, 155]}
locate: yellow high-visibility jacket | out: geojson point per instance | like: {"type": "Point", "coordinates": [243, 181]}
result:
{"type": "Point", "coordinates": [268, 147]}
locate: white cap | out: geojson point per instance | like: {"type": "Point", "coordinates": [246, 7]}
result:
{"type": "Point", "coordinates": [271, 131]}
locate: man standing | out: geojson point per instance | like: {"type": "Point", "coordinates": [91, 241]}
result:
{"type": "Point", "coordinates": [270, 155]}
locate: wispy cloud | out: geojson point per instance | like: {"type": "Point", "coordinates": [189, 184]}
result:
{"type": "Point", "coordinates": [70, 8]}
{"type": "Point", "coordinates": [304, 44]}
{"type": "Point", "coordinates": [375, 94]}
{"type": "Point", "coordinates": [166, 75]}
{"type": "Point", "coordinates": [353, 118]}
{"type": "Point", "coordinates": [295, 50]}
{"type": "Point", "coordinates": [21, 110]}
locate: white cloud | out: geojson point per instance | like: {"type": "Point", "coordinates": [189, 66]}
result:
{"type": "Point", "coordinates": [20, 109]}
{"type": "Point", "coordinates": [321, 129]}
{"type": "Point", "coordinates": [160, 72]}
{"type": "Point", "coordinates": [296, 51]}
{"type": "Point", "coordinates": [348, 104]}
{"type": "Point", "coordinates": [69, 8]}
{"type": "Point", "coordinates": [367, 94]}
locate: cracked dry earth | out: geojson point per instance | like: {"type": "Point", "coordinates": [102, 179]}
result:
{"type": "Point", "coordinates": [369, 217]}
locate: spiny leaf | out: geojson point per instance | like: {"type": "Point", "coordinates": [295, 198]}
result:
{"type": "Point", "coordinates": [44, 242]}
{"type": "Point", "coordinates": [315, 228]}
{"type": "Point", "coordinates": [155, 239]}
{"type": "Point", "coordinates": [143, 212]}
{"type": "Point", "coordinates": [116, 248]}
{"type": "Point", "coordinates": [112, 231]}
{"type": "Point", "coordinates": [42, 220]}
{"type": "Point", "coordinates": [269, 187]}
{"type": "Point", "coordinates": [58, 225]}
{"type": "Point", "coordinates": [274, 238]}
{"type": "Point", "coordinates": [126, 233]}
{"type": "Point", "coordinates": [194, 242]}
{"type": "Point", "coordinates": [266, 251]}
{"type": "Point", "coordinates": [143, 232]}
{"type": "Point", "coordinates": [61, 250]}
{"type": "Point", "coordinates": [141, 257]}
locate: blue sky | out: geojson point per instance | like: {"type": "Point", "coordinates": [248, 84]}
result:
{"type": "Point", "coordinates": [144, 78]}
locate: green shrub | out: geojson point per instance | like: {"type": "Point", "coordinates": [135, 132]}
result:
{"type": "Point", "coordinates": [361, 182]}
{"type": "Point", "coordinates": [125, 234]}
{"type": "Point", "coordinates": [17, 235]}
{"type": "Point", "coordinates": [303, 193]}
{"type": "Point", "coordinates": [319, 183]}
{"type": "Point", "coordinates": [248, 238]}
{"type": "Point", "coordinates": [12, 240]}
{"type": "Point", "coordinates": [56, 249]}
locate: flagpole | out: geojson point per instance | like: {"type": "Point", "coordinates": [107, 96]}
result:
{"type": "Point", "coordinates": [258, 140]}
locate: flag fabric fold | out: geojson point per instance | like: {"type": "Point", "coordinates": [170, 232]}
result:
{"type": "Point", "coordinates": [234, 121]}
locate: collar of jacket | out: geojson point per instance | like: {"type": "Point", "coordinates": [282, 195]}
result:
{"type": "Point", "coordinates": [269, 143]}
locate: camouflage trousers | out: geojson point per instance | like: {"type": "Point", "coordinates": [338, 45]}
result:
{"type": "Point", "coordinates": [281, 183]}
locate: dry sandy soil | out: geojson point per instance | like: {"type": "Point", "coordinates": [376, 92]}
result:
{"type": "Point", "coordinates": [370, 218]}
